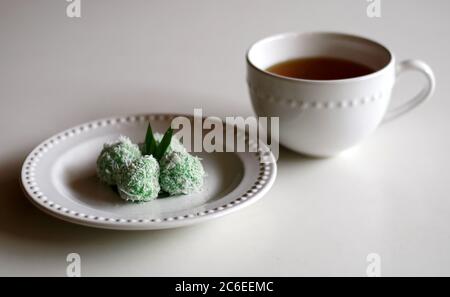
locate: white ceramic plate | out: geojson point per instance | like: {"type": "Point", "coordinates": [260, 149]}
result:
{"type": "Point", "coordinates": [59, 177]}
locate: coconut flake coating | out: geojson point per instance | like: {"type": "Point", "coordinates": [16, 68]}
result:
{"type": "Point", "coordinates": [181, 173]}
{"type": "Point", "coordinates": [138, 182]}
{"type": "Point", "coordinates": [113, 157]}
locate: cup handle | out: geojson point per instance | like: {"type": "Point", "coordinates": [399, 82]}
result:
{"type": "Point", "coordinates": [423, 95]}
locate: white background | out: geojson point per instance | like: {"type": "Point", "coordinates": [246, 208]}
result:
{"type": "Point", "coordinates": [322, 217]}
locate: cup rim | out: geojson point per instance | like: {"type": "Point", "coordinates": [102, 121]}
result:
{"type": "Point", "coordinates": [330, 33]}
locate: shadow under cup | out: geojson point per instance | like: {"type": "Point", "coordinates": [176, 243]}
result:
{"type": "Point", "coordinates": [321, 117]}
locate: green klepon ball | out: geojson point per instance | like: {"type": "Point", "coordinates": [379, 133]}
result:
{"type": "Point", "coordinates": [113, 157]}
{"type": "Point", "coordinates": [138, 182]}
{"type": "Point", "coordinates": [181, 173]}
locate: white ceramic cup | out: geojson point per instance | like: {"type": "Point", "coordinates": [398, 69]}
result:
{"type": "Point", "coordinates": [324, 117]}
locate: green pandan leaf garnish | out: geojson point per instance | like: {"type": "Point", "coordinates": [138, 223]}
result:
{"type": "Point", "coordinates": [150, 142]}
{"type": "Point", "coordinates": [164, 144]}
{"type": "Point", "coordinates": [151, 147]}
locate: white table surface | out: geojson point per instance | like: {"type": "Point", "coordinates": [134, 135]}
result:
{"type": "Point", "coordinates": [390, 195]}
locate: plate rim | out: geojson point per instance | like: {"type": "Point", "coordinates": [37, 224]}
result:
{"type": "Point", "coordinates": [262, 184]}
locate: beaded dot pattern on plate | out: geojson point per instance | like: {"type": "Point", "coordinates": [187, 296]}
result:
{"type": "Point", "coordinates": [32, 162]}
